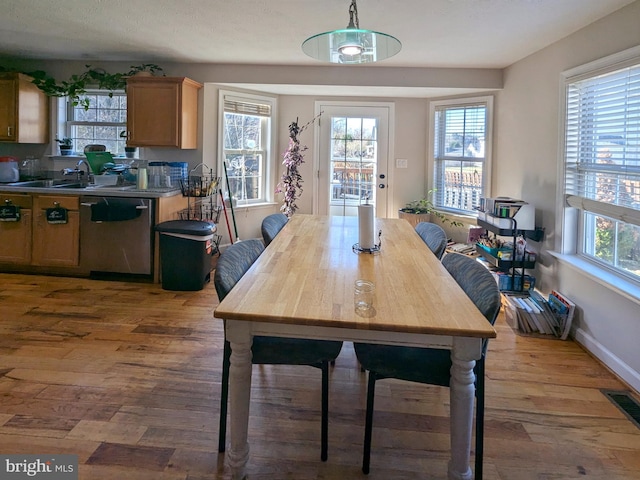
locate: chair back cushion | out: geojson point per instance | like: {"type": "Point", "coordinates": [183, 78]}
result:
{"type": "Point", "coordinates": [476, 281]}
{"type": "Point", "coordinates": [233, 264]}
{"type": "Point", "coordinates": [434, 236]}
{"type": "Point", "coordinates": [271, 226]}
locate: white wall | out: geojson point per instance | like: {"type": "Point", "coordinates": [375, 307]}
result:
{"type": "Point", "coordinates": [527, 153]}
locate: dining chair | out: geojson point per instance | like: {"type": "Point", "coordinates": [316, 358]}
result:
{"type": "Point", "coordinates": [433, 366]}
{"type": "Point", "coordinates": [434, 236]}
{"type": "Point", "coordinates": [271, 226]}
{"type": "Point", "coordinates": [232, 265]}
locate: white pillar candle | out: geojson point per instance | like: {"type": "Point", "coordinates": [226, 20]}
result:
{"type": "Point", "coordinates": [366, 237]}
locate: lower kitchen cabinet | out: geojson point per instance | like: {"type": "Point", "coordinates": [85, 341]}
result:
{"type": "Point", "coordinates": [56, 242]}
{"type": "Point", "coordinates": [16, 235]}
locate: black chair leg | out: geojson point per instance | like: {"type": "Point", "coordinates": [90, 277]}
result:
{"type": "Point", "coordinates": [325, 411]}
{"type": "Point", "coordinates": [479, 419]}
{"type": "Point", "coordinates": [224, 395]}
{"type": "Point", "coordinates": [368, 426]}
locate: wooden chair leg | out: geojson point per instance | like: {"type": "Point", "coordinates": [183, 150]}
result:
{"type": "Point", "coordinates": [325, 411]}
{"type": "Point", "coordinates": [479, 419]}
{"type": "Point", "coordinates": [368, 426]}
{"type": "Point", "coordinates": [224, 395]}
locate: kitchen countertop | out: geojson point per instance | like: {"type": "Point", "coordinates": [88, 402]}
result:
{"type": "Point", "coordinates": [103, 191]}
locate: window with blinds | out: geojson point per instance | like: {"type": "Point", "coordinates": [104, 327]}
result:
{"type": "Point", "coordinates": [246, 146]}
{"type": "Point", "coordinates": [602, 165]}
{"type": "Point", "coordinates": [460, 153]}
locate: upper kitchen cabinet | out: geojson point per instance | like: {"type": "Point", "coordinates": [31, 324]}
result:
{"type": "Point", "coordinates": [162, 112]}
{"type": "Point", "coordinates": [24, 110]}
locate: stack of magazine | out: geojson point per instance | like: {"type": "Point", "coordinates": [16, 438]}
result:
{"type": "Point", "coordinates": [530, 313]}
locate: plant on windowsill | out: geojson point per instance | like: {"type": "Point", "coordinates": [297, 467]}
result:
{"type": "Point", "coordinates": [129, 152]}
{"type": "Point", "coordinates": [423, 210]}
{"type": "Point", "coordinates": [66, 146]}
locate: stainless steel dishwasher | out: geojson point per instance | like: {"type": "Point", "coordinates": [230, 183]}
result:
{"type": "Point", "coordinates": [116, 235]}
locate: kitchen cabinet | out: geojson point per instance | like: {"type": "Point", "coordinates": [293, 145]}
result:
{"type": "Point", "coordinates": [162, 112]}
{"type": "Point", "coordinates": [15, 247]}
{"type": "Point", "coordinates": [24, 110]}
{"type": "Point", "coordinates": [56, 244]}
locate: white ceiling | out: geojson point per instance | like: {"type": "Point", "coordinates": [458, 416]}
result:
{"type": "Point", "coordinates": [434, 33]}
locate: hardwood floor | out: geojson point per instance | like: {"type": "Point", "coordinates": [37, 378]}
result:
{"type": "Point", "coordinates": [127, 376]}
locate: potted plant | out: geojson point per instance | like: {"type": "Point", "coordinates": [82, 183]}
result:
{"type": "Point", "coordinates": [129, 152]}
{"type": "Point", "coordinates": [422, 210]}
{"type": "Point", "coordinates": [66, 146]}
{"type": "Point", "coordinates": [145, 70]}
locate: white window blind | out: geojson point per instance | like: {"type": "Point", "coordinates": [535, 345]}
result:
{"type": "Point", "coordinates": [602, 144]}
{"type": "Point", "coordinates": [602, 163]}
{"type": "Point", "coordinates": [247, 108]}
{"type": "Point", "coordinates": [460, 153]}
{"type": "Point", "coordinates": [247, 146]}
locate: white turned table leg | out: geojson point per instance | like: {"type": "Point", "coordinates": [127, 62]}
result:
{"type": "Point", "coordinates": [462, 393]}
{"type": "Point", "coordinates": [239, 336]}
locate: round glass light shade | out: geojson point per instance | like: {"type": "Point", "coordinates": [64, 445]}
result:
{"type": "Point", "coordinates": [351, 45]}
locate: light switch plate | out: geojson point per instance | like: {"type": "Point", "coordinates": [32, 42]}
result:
{"type": "Point", "coordinates": [401, 163]}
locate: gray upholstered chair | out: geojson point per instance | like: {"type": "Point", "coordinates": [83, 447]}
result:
{"type": "Point", "coordinates": [434, 236]}
{"type": "Point", "coordinates": [271, 226]}
{"type": "Point", "coordinates": [433, 366]}
{"type": "Point", "coordinates": [232, 265]}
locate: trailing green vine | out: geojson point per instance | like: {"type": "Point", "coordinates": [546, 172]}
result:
{"type": "Point", "coordinates": [76, 86]}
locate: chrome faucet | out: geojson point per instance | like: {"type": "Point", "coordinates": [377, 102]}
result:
{"type": "Point", "coordinates": [79, 173]}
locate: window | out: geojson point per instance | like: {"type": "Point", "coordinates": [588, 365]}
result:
{"type": "Point", "coordinates": [602, 164]}
{"type": "Point", "coordinates": [101, 124]}
{"type": "Point", "coordinates": [461, 153]}
{"type": "Point", "coordinates": [246, 133]}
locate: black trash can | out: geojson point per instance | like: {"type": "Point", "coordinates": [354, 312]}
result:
{"type": "Point", "coordinates": [186, 248]}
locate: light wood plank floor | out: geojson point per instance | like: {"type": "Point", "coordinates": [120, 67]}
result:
{"type": "Point", "coordinates": [127, 376]}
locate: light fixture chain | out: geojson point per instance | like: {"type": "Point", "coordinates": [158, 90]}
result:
{"type": "Point", "coordinates": [353, 13]}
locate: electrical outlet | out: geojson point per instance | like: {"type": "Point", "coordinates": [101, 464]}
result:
{"type": "Point", "coordinates": [401, 163]}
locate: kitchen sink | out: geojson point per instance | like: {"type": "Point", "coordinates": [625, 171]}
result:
{"type": "Point", "coordinates": [65, 184]}
{"type": "Point", "coordinates": [45, 184]}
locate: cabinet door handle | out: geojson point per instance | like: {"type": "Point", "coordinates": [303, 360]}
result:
{"type": "Point", "coordinates": [8, 131]}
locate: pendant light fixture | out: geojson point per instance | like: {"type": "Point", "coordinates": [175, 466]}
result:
{"type": "Point", "coordinates": [352, 44]}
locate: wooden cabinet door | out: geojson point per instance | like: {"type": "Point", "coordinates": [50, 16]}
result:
{"type": "Point", "coordinates": [8, 97]}
{"type": "Point", "coordinates": [162, 112]}
{"type": "Point", "coordinates": [56, 244]}
{"type": "Point", "coordinates": [15, 237]}
{"type": "Point", "coordinates": [24, 110]}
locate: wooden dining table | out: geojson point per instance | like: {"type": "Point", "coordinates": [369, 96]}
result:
{"type": "Point", "coordinates": [302, 286]}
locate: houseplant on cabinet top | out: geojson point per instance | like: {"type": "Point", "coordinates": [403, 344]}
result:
{"type": "Point", "coordinates": [422, 210]}
{"type": "Point", "coordinates": [76, 87]}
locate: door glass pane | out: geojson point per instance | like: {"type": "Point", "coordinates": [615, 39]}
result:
{"type": "Point", "coordinates": [353, 159]}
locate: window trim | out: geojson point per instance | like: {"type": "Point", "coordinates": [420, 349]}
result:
{"type": "Point", "coordinates": [569, 218]}
{"type": "Point", "coordinates": [488, 100]}
{"type": "Point", "coordinates": [270, 167]}
{"type": "Point", "coordinates": [68, 122]}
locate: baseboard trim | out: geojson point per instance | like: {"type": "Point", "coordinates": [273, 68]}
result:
{"type": "Point", "coordinates": [615, 364]}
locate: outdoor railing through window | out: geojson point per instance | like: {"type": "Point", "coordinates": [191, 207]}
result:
{"type": "Point", "coordinates": [461, 190]}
